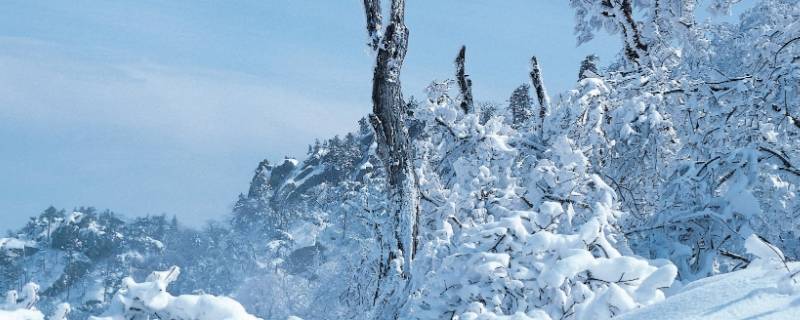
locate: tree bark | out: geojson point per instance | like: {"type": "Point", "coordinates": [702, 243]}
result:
{"type": "Point", "coordinates": [388, 118]}
{"type": "Point", "coordinates": [464, 83]}
{"type": "Point", "coordinates": [541, 93]}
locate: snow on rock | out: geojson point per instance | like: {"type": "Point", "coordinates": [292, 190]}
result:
{"type": "Point", "coordinates": [13, 247]}
{"type": "Point", "coordinates": [151, 299]}
{"type": "Point", "coordinates": [752, 293]}
{"type": "Point", "coordinates": [15, 244]}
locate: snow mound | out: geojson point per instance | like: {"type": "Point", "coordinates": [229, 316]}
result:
{"type": "Point", "coordinates": [752, 293]}
{"type": "Point", "coordinates": [150, 299]}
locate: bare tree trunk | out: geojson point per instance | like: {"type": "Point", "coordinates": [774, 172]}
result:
{"type": "Point", "coordinates": [464, 83]}
{"type": "Point", "coordinates": [541, 93]}
{"type": "Point", "coordinates": [399, 238]}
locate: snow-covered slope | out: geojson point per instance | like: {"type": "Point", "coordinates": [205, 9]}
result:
{"type": "Point", "coordinates": [752, 293]}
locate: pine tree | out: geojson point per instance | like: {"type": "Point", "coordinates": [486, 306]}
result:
{"type": "Point", "coordinates": [520, 104]}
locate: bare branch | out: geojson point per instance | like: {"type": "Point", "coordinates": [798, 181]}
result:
{"type": "Point", "coordinates": [775, 60]}
{"type": "Point", "coordinates": [787, 165]}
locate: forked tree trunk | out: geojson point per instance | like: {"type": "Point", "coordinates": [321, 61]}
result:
{"type": "Point", "coordinates": [399, 236]}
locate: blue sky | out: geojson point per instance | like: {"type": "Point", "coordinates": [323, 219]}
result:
{"type": "Point", "coordinates": [149, 107]}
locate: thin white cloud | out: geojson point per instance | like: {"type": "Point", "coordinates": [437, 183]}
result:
{"type": "Point", "coordinates": [199, 107]}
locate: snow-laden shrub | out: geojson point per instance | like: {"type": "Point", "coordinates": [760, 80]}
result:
{"type": "Point", "coordinates": [624, 131]}
{"type": "Point", "coordinates": [527, 234]}
{"type": "Point", "coordinates": [150, 300]}
{"type": "Point", "coordinates": [502, 268]}
{"type": "Point", "coordinates": [731, 93]}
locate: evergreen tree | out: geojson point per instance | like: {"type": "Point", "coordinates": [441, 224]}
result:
{"type": "Point", "coordinates": [521, 106]}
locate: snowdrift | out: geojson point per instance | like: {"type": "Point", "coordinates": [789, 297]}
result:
{"type": "Point", "coordinates": [753, 293]}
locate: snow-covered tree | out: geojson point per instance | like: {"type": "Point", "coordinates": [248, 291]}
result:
{"type": "Point", "coordinates": [498, 227]}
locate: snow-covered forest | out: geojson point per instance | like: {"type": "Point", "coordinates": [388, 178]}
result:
{"type": "Point", "coordinates": [660, 183]}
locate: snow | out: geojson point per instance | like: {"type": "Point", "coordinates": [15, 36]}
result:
{"type": "Point", "coordinates": [764, 252]}
{"type": "Point", "coordinates": [752, 293]}
{"type": "Point", "coordinates": [74, 217]}
{"type": "Point", "coordinates": [21, 306]}
{"type": "Point", "coordinates": [15, 244]}
{"type": "Point", "coordinates": [304, 235]}
{"type": "Point", "coordinates": [157, 244]}
{"type": "Point", "coordinates": [317, 171]}
{"type": "Point", "coordinates": [741, 200]}
{"type": "Point", "coordinates": [61, 312]}
{"type": "Point", "coordinates": [150, 298]}
{"type": "Point", "coordinates": [95, 292]}
{"type": "Point", "coordinates": [21, 314]}
{"type": "Point", "coordinates": [293, 162]}
{"type": "Point", "coordinates": [94, 228]}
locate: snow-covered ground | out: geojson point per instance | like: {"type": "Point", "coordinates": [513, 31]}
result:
{"type": "Point", "coordinates": [752, 293]}
{"type": "Point", "coordinates": [21, 314]}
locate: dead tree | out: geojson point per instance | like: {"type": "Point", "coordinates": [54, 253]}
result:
{"type": "Point", "coordinates": [541, 93]}
{"type": "Point", "coordinates": [398, 237]}
{"type": "Point", "coordinates": [464, 83]}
